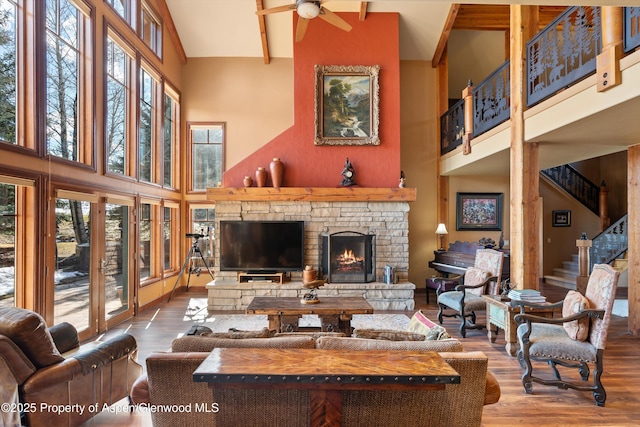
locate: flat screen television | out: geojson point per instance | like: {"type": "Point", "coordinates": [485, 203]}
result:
{"type": "Point", "coordinates": [261, 246]}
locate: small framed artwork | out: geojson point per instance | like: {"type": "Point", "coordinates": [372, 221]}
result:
{"type": "Point", "coordinates": [561, 218]}
{"type": "Point", "coordinates": [479, 211]}
{"type": "Point", "coordinates": [346, 105]}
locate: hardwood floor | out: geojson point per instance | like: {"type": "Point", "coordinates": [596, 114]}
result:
{"type": "Point", "coordinates": [547, 406]}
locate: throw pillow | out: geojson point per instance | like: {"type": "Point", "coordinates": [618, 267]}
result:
{"type": "Point", "coordinates": [387, 334]}
{"type": "Point", "coordinates": [574, 303]}
{"type": "Point", "coordinates": [421, 324]}
{"type": "Point", "coordinates": [475, 276]}
{"type": "Point", "coordinates": [237, 334]}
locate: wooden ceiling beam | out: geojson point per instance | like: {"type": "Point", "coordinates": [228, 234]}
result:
{"type": "Point", "coordinates": [263, 33]}
{"type": "Point", "coordinates": [496, 17]}
{"type": "Point", "coordinates": [444, 36]}
{"type": "Point", "coordinates": [363, 10]}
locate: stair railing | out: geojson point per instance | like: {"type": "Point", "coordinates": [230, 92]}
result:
{"type": "Point", "coordinates": [610, 244]}
{"type": "Point", "coordinates": [577, 185]}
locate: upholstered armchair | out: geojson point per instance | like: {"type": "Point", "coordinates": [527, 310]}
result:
{"type": "Point", "coordinates": [575, 340]}
{"type": "Point", "coordinates": [465, 300]}
{"type": "Point", "coordinates": [44, 368]}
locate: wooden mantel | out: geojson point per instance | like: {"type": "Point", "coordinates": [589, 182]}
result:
{"type": "Point", "coordinates": [337, 194]}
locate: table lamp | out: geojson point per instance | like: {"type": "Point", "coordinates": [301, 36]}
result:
{"type": "Point", "coordinates": [441, 231]}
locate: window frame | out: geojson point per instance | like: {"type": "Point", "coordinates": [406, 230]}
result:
{"type": "Point", "coordinates": [156, 117]}
{"type": "Point", "coordinates": [154, 43]}
{"type": "Point", "coordinates": [191, 126]}
{"type": "Point", "coordinates": [130, 104]}
{"type": "Point", "coordinates": [129, 10]}
{"type": "Point", "coordinates": [174, 242]}
{"type": "Point", "coordinates": [85, 91]}
{"type": "Point", "coordinates": [171, 93]}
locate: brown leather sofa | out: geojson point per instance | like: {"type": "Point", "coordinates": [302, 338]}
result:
{"type": "Point", "coordinates": [51, 380]}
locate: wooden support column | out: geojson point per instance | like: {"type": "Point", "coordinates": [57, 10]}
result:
{"type": "Point", "coordinates": [524, 167]}
{"type": "Point", "coordinates": [633, 201]}
{"type": "Point", "coordinates": [608, 61]}
{"type": "Point", "coordinates": [443, 106]}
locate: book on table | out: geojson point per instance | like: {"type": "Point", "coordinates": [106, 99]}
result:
{"type": "Point", "coordinates": [529, 295]}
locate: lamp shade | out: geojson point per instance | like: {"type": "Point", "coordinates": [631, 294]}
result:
{"type": "Point", "coordinates": [308, 10]}
{"type": "Point", "coordinates": [442, 229]}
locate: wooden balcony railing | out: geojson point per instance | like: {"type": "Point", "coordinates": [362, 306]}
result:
{"type": "Point", "coordinates": [452, 127]}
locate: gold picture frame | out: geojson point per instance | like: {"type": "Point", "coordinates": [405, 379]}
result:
{"type": "Point", "coordinates": [346, 105]}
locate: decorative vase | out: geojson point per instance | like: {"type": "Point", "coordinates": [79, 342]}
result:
{"type": "Point", "coordinates": [277, 169]}
{"type": "Point", "coordinates": [248, 181]}
{"type": "Point", "coordinates": [261, 177]}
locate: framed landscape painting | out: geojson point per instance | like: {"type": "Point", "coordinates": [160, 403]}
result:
{"type": "Point", "coordinates": [346, 105]}
{"type": "Point", "coordinates": [479, 211]}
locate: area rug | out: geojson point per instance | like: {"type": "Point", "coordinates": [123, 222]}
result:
{"type": "Point", "coordinates": [620, 308]}
{"type": "Point", "coordinates": [249, 322]}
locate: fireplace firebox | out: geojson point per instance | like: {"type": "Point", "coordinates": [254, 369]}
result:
{"type": "Point", "coordinates": [347, 257]}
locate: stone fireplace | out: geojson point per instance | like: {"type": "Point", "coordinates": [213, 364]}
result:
{"type": "Point", "coordinates": [345, 212]}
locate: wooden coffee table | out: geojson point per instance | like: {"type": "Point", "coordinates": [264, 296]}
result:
{"type": "Point", "coordinates": [500, 314]}
{"type": "Point", "coordinates": [335, 314]}
{"type": "Point", "coordinates": [325, 373]}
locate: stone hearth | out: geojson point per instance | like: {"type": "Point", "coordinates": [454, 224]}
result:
{"type": "Point", "coordinates": [383, 212]}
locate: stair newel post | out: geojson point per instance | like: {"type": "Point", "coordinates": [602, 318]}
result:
{"type": "Point", "coordinates": [583, 245]}
{"type": "Point", "coordinates": [605, 221]}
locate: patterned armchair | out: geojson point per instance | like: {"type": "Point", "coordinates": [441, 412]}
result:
{"type": "Point", "coordinates": [575, 340]}
{"type": "Point", "coordinates": [465, 300]}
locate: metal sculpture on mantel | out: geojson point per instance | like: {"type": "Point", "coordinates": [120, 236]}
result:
{"type": "Point", "coordinates": [310, 281]}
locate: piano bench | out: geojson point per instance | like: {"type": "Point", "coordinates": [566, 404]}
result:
{"type": "Point", "coordinates": [432, 283]}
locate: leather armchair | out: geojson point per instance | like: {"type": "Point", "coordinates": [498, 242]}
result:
{"type": "Point", "coordinates": [56, 381]}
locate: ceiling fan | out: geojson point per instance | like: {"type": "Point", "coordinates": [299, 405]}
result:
{"type": "Point", "coordinates": [307, 10]}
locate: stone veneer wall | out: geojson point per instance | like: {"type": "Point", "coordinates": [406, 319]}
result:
{"type": "Point", "coordinates": [389, 221]}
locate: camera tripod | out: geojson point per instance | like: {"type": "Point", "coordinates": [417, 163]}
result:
{"type": "Point", "coordinates": [192, 269]}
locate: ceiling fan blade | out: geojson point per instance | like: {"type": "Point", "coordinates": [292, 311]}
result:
{"type": "Point", "coordinates": [276, 9]}
{"type": "Point", "coordinates": [334, 19]}
{"type": "Point", "coordinates": [301, 28]}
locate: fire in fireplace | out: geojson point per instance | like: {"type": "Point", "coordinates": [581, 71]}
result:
{"type": "Point", "coordinates": [347, 257]}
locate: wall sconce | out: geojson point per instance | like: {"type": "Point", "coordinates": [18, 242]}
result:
{"type": "Point", "coordinates": [441, 231]}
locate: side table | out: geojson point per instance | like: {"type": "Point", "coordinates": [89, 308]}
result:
{"type": "Point", "coordinates": [500, 315]}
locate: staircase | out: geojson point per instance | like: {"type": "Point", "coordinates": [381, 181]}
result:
{"type": "Point", "coordinates": [566, 275]}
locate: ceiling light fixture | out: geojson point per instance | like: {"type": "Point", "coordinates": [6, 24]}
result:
{"type": "Point", "coordinates": [308, 10]}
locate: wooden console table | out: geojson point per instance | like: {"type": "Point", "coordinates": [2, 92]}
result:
{"type": "Point", "coordinates": [335, 313]}
{"type": "Point", "coordinates": [325, 373]}
{"type": "Point", "coordinates": [500, 314]}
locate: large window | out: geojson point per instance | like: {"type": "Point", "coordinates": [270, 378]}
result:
{"type": "Point", "coordinates": [170, 223]}
{"type": "Point", "coordinates": [203, 222]}
{"type": "Point", "coordinates": [67, 80]}
{"type": "Point", "coordinates": [207, 155]}
{"type": "Point", "coordinates": [8, 219]}
{"type": "Point", "coordinates": [8, 71]}
{"type": "Point", "coordinates": [124, 9]}
{"type": "Point", "coordinates": [117, 126]}
{"type": "Point", "coordinates": [171, 137]}
{"type": "Point", "coordinates": [146, 241]}
{"type": "Point", "coordinates": [147, 138]}
{"type": "Point", "coordinates": [151, 29]}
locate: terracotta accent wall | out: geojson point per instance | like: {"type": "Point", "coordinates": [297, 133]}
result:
{"type": "Point", "coordinates": [374, 41]}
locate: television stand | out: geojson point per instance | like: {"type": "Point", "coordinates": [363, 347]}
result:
{"type": "Point", "coordinates": [257, 277]}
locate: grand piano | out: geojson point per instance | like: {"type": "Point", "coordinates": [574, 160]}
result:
{"type": "Point", "coordinates": [462, 255]}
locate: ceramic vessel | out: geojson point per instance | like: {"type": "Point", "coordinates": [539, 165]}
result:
{"type": "Point", "coordinates": [261, 177]}
{"type": "Point", "coordinates": [248, 181]}
{"type": "Point", "coordinates": [277, 170]}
